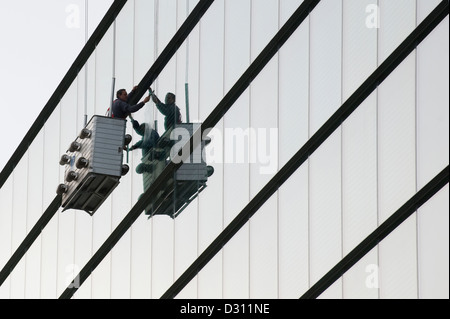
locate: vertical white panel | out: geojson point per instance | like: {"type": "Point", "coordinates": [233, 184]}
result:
{"type": "Point", "coordinates": [185, 250]}
{"type": "Point", "coordinates": [6, 217]}
{"type": "Point", "coordinates": [293, 133]}
{"type": "Point", "coordinates": [96, 11]}
{"type": "Point", "coordinates": [144, 37]}
{"type": "Point", "coordinates": [294, 93]}
{"type": "Point", "coordinates": [211, 58]}
{"type": "Point", "coordinates": [359, 40]}
{"type": "Point", "coordinates": [19, 222]}
{"type": "Point", "coordinates": [162, 254]}
{"type": "Point", "coordinates": [183, 65]}
{"type": "Point", "coordinates": [49, 237]}
{"type": "Point", "coordinates": [237, 41]}
{"type": "Point", "coordinates": [397, 21]}
{"type": "Point", "coordinates": [89, 72]}
{"type": "Point", "coordinates": [83, 252]}
{"type": "Point", "coordinates": [144, 56]}
{"type": "Point", "coordinates": [424, 7]}
{"type": "Point", "coordinates": [193, 69]}
{"type": "Point", "coordinates": [263, 32]}
{"type": "Point", "coordinates": [264, 155]}
{"type": "Point", "coordinates": [141, 259]}
{"type": "Point", "coordinates": [236, 171]}
{"type": "Point", "coordinates": [121, 197]}
{"type": "Point", "coordinates": [141, 234]}
{"type": "Point", "coordinates": [396, 153]}
{"type": "Point", "coordinates": [236, 196]}
{"type": "Point", "coordinates": [100, 78]}
{"type": "Point", "coordinates": [264, 101]}
{"type": "Point", "coordinates": [359, 193]}
{"type": "Point", "coordinates": [83, 222]}
{"type": "Point", "coordinates": [359, 146]}
{"type": "Point", "coordinates": [433, 101]}
{"type": "Point", "coordinates": [325, 65]}
{"type": "Point", "coordinates": [434, 247]}
{"type": "Point", "coordinates": [362, 281]}
{"type": "Point", "coordinates": [397, 177]}
{"type": "Point", "coordinates": [432, 157]}
{"type": "Point", "coordinates": [325, 163]}
{"type": "Point", "coordinates": [163, 226]}
{"type": "Point", "coordinates": [236, 266]}
{"type": "Point", "coordinates": [210, 220]}
{"type": "Point", "coordinates": [34, 212]}
{"type": "Point", "coordinates": [263, 251]}
{"type": "Point", "coordinates": [66, 220]}
{"type": "Point", "coordinates": [325, 212]}
{"type": "Point", "coordinates": [186, 224]}
{"type": "Point", "coordinates": [293, 235]}
{"type": "Point", "coordinates": [166, 82]}
{"type": "Point", "coordinates": [167, 22]}
{"type": "Point", "coordinates": [101, 277]}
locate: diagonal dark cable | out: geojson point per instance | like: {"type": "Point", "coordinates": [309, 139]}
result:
{"type": "Point", "coordinates": [377, 77]}
{"type": "Point", "coordinates": [244, 81]}
{"type": "Point", "coordinates": [411, 206]}
{"type": "Point", "coordinates": [62, 88]}
{"type": "Point", "coordinates": [30, 238]}
{"type": "Point", "coordinates": [163, 59]}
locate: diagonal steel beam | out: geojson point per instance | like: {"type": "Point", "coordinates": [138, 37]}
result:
{"type": "Point", "coordinates": [244, 81]}
{"type": "Point", "coordinates": [164, 58]}
{"type": "Point", "coordinates": [30, 238]}
{"type": "Point", "coordinates": [411, 206]}
{"type": "Point", "coordinates": [155, 70]}
{"type": "Point", "coordinates": [374, 80]}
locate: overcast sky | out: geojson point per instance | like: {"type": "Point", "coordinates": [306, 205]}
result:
{"type": "Point", "coordinates": [40, 41]}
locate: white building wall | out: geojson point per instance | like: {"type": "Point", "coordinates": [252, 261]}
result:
{"type": "Point", "coordinates": [432, 152]}
{"type": "Point", "coordinates": [392, 145]}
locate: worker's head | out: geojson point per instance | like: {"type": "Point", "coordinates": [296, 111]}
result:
{"type": "Point", "coordinates": [170, 98]}
{"type": "Point", "coordinates": [122, 95]}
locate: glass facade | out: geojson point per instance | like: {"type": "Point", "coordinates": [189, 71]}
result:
{"type": "Point", "coordinates": [389, 148]}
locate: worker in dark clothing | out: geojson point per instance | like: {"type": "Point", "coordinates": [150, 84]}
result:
{"type": "Point", "coordinates": [121, 107]}
{"type": "Point", "coordinates": [149, 137]}
{"type": "Point", "coordinates": [148, 141]}
{"type": "Point", "coordinates": [169, 109]}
